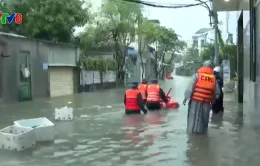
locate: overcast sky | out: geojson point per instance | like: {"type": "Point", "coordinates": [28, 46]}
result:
{"type": "Point", "coordinates": [185, 21]}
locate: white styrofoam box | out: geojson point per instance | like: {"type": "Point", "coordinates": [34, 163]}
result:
{"type": "Point", "coordinates": [43, 128]}
{"type": "Point", "coordinates": [17, 138]}
{"type": "Point", "coordinates": [63, 113]}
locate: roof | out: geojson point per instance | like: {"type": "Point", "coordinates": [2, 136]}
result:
{"type": "Point", "coordinates": [202, 30]}
{"type": "Point", "coordinates": [12, 35]}
{"type": "Point", "coordinates": [155, 21]}
{"type": "Point", "coordinates": [24, 37]}
{"type": "Point", "coordinates": [232, 5]}
{"type": "Point", "coordinates": [60, 65]}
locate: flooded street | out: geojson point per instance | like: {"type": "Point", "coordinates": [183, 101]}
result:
{"type": "Point", "coordinates": [101, 135]}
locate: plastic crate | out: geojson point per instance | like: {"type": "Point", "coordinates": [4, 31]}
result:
{"type": "Point", "coordinates": [43, 128]}
{"type": "Point", "coordinates": [17, 138]}
{"type": "Point", "coordinates": [63, 113]}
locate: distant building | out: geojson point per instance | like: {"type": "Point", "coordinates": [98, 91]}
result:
{"type": "Point", "coordinates": [202, 37]}
{"type": "Point", "coordinates": [189, 43]}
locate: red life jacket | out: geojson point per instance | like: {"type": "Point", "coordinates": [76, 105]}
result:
{"type": "Point", "coordinates": [131, 99]}
{"type": "Point", "coordinates": [205, 85]}
{"type": "Point", "coordinates": [142, 89]}
{"type": "Point", "coordinates": [153, 93]}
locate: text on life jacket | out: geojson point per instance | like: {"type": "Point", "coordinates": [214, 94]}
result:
{"type": "Point", "coordinates": [207, 78]}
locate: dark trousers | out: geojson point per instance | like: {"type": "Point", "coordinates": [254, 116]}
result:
{"type": "Point", "coordinates": [132, 112]}
{"type": "Point", "coordinates": [218, 105]}
{"type": "Point", "coordinates": [153, 105]}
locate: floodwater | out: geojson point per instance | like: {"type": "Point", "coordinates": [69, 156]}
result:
{"type": "Point", "coordinates": [101, 135]}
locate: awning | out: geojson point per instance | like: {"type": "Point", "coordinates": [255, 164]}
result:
{"type": "Point", "coordinates": [230, 5]}
{"type": "Point", "coordinates": [131, 51]}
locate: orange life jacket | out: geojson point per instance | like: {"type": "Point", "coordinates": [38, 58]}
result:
{"type": "Point", "coordinates": [142, 89]}
{"type": "Point", "coordinates": [131, 99]}
{"type": "Point", "coordinates": [204, 88]}
{"type": "Point", "coordinates": [153, 93]}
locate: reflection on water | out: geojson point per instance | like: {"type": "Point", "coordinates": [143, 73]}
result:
{"type": "Point", "coordinates": [199, 150]}
{"type": "Point", "coordinates": [100, 134]}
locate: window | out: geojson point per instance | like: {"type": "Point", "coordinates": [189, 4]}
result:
{"type": "Point", "coordinates": [202, 43]}
{"type": "Point", "coordinates": [195, 43]}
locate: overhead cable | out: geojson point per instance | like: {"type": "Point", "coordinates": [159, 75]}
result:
{"type": "Point", "coordinates": [172, 6]}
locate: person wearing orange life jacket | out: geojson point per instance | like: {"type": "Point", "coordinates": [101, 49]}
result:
{"type": "Point", "coordinates": [133, 101]}
{"type": "Point", "coordinates": [142, 87]}
{"type": "Point", "coordinates": [201, 93]}
{"type": "Point", "coordinates": [154, 96]}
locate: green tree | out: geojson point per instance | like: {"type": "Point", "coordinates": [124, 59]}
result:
{"type": "Point", "coordinates": [191, 54]}
{"type": "Point", "coordinates": [120, 19]}
{"type": "Point", "coordinates": [207, 52]}
{"type": "Point", "coordinates": [178, 58]}
{"type": "Point", "coordinates": [95, 38]}
{"type": "Point", "coordinates": [4, 7]}
{"type": "Point", "coordinates": [148, 33]}
{"type": "Point", "coordinates": [169, 42]}
{"type": "Point", "coordinates": [48, 19]}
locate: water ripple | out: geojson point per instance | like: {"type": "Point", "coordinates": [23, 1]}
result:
{"type": "Point", "coordinates": [102, 136]}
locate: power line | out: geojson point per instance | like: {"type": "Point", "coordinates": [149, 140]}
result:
{"type": "Point", "coordinates": [173, 6]}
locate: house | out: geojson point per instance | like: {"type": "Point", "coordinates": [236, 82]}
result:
{"type": "Point", "coordinates": [49, 65]}
{"type": "Point", "coordinates": [248, 35]}
{"type": "Point", "coordinates": [227, 27]}
{"type": "Point", "coordinates": [202, 37]}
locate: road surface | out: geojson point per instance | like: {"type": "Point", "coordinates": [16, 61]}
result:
{"type": "Point", "coordinates": [101, 135]}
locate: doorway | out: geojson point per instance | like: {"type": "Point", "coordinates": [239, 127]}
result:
{"type": "Point", "coordinates": [240, 59]}
{"type": "Point", "coordinates": [2, 52]}
{"type": "Point", "coordinates": [25, 92]}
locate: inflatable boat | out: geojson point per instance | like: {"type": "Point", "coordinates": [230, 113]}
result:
{"type": "Point", "coordinates": [168, 76]}
{"type": "Point", "coordinates": [171, 104]}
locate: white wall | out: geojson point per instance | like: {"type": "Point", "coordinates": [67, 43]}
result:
{"type": "Point", "coordinates": [229, 24]}
{"type": "Point", "coordinates": [208, 37]}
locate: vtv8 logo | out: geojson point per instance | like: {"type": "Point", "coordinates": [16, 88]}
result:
{"type": "Point", "coordinates": [9, 18]}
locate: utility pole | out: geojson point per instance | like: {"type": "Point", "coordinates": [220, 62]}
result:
{"type": "Point", "coordinates": [217, 59]}
{"type": "Point", "coordinates": [213, 15]}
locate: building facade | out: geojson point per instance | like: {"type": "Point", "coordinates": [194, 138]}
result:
{"type": "Point", "coordinates": [248, 41]}
{"type": "Point", "coordinates": [33, 68]}
{"type": "Point", "coordinates": [202, 37]}
{"type": "Point", "coordinates": [227, 25]}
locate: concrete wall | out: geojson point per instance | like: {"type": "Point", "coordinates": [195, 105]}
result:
{"type": "Point", "coordinates": [251, 88]}
{"type": "Point", "coordinates": [102, 54]}
{"type": "Point", "coordinates": [40, 52]}
{"type": "Point", "coordinates": [62, 54]}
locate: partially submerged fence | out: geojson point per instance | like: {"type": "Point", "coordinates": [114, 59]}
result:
{"type": "Point", "coordinates": [93, 80]}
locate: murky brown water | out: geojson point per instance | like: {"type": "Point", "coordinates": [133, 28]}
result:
{"type": "Point", "coordinates": [102, 136]}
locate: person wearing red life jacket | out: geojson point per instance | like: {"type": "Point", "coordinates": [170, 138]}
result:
{"type": "Point", "coordinates": [133, 101]}
{"type": "Point", "coordinates": [201, 93]}
{"type": "Point", "coordinates": [154, 96]}
{"type": "Point", "coordinates": [142, 87]}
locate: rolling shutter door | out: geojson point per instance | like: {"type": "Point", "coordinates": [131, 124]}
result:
{"type": "Point", "coordinates": [61, 81]}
